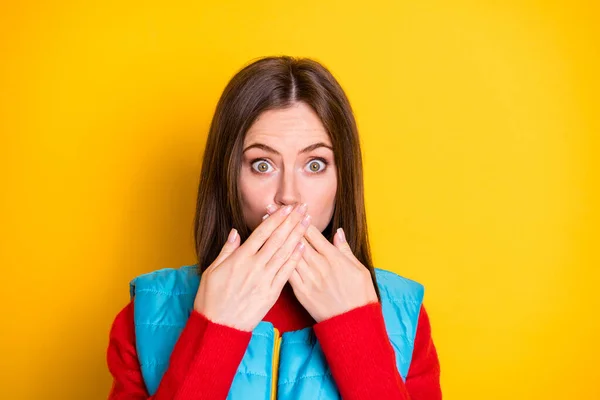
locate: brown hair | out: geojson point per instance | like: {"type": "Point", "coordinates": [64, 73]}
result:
{"type": "Point", "coordinates": [266, 84]}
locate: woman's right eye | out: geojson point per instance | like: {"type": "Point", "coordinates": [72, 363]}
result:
{"type": "Point", "coordinates": [261, 166]}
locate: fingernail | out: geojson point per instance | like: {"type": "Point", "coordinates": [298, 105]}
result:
{"type": "Point", "coordinates": [271, 208]}
{"type": "Point", "coordinates": [341, 234]}
{"type": "Point", "coordinates": [265, 216]}
{"type": "Point", "coordinates": [302, 208]}
{"type": "Point", "coordinates": [287, 210]}
{"type": "Point", "coordinates": [232, 236]}
{"type": "Point", "coordinates": [306, 220]}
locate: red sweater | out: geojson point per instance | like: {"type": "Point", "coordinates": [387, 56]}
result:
{"type": "Point", "coordinates": [207, 355]}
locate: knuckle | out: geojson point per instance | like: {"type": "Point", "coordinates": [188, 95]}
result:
{"type": "Point", "coordinates": [261, 234]}
{"type": "Point", "coordinates": [324, 275]}
{"type": "Point", "coordinates": [279, 255]}
{"type": "Point", "coordinates": [253, 262]}
{"type": "Point", "coordinates": [319, 286]}
{"type": "Point", "coordinates": [300, 229]}
{"type": "Point", "coordinates": [289, 222]}
{"type": "Point", "coordinates": [229, 252]}
{"type": "Point", "coordinates": [294, 238]}
{"type": "Point", "coordinates": [319, 260]}
{"type": "Point", "coordinates": [278, 238]}
{"type": "Point", "coordinates": [296, 255]}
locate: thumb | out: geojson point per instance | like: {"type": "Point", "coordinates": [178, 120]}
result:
{"type": "Point", "coordinates": [232, 243]}
{"type": "Point", "coordinates": [339, 241]}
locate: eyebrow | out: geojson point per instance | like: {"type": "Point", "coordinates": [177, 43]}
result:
{"type": "Point", "coordinates": [272, 150]}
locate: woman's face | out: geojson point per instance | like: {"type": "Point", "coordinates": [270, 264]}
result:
{"type": "Point", "coordinates": [288, 159]}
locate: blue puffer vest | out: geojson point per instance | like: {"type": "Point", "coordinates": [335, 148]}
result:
{"type": "Point", "coordinates": [163, 301]}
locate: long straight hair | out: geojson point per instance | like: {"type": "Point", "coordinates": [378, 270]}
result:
{"type": "Point", "coordinates": [266, 84]}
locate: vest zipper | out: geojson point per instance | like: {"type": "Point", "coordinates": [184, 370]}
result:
{"type": "Point", "coordinates": [275, 365]}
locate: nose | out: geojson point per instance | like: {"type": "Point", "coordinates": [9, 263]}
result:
{"type": "Point", "coordinates": [288, 191]}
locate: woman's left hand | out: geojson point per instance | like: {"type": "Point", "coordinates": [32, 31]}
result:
{"type": "Point", "coordinates": [329, 280]}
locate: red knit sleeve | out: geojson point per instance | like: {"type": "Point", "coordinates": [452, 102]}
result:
{"type": "Point", "coordinates": [202, 364]}
{"type": "Point", "coordinates": [362, 359]}
{"type": "Point", "coordinates": [423, 379]}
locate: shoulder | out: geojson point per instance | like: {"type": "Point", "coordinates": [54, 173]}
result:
{"type": "Point", "coordinates": [182, 280]}
{"type": "Point", "coordinates": [392, 285]}
{"type": "Point", "coordinates": [122, 331]}
{"type": "Point", "coordinates": [123, 316]}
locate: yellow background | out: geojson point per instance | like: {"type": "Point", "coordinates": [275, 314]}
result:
{"type": "Point", "coordinates": [480, 129]}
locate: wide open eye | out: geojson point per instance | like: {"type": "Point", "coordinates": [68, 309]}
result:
{"type": "Point", "coordinates": [316, 166]}
{"type": "Point", "coordinates": [261, 166]}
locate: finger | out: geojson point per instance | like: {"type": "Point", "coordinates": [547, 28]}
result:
{"type": "Point", "coordinates": [311, 256]}
{"type": "Point", "coordinates": [339, 238]}
{"type": "Point", "coordinates": [304, 270]}
{"type": "Point", "coordinates": [284, 251]}
{"type": "Point", "coordinates": [339, 241]}
{"type": "Point", "coordinates": [271, 212]}
{"type": "Point", "coordinates": [319, 242]}
{"type": "Point", "coordinates": [284, 273]}
{"type": "Point", "coordinates": [295, 280]}
{"type": "Point", "coordinates": [279, 237]}
{"type": "Point", "coordinates": [232, 243]}
{"type": "Point", "coordinates": [263, 232]}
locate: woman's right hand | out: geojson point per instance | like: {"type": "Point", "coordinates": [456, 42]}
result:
{"type": "Point", "coordinates": [243, 283]}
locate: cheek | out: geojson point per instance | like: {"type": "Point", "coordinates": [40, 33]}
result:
{"type": "Point", "coordinates": [254, 200]}
{"type": "Point", "coordinates": [249, 195]}
{"type": "Point", "coordinates": [321, 202]}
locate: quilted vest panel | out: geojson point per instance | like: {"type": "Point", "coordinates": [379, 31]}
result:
{"type": "Point", "coordinates": [163, 301]}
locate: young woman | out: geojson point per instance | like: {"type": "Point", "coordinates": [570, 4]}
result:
{"type": "Point", "coordinates": [284, 301]}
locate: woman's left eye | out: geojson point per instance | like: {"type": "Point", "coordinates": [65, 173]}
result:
{"type": "Point", "coordinates": [316, 166]}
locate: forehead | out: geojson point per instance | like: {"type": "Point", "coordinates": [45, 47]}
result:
{"type": "Point", "coordinates": [298, 123]}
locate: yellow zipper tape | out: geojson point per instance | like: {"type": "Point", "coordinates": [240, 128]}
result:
{"type": "Point", "coordinates": [275, 366]}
